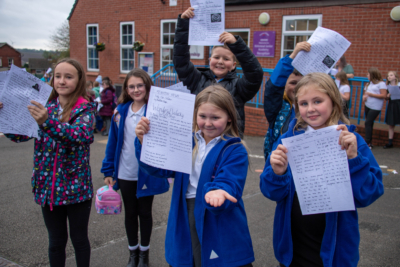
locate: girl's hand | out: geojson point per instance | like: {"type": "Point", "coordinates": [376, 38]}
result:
{"type": "Point", "coordinates": [142, 128]}
{"type": "Point", "coordinates": [188, 14]}
{"type": "Point", "coordinates": [109, 181]}
{"type": "Point", "coordinates": [227, 38]}
{"type": "Point", "coordinates": [387, 98]}
{"type": "Point", "coordinates": [38, 112]}
{"type": "Point", "coordinates": [1, 105]}
{"type": "Point", "coordinates": [278, 160]}
{"type": "Point", "coordinates": [306, 46]}
{"type": "Point", "coordinates": [365, 96]}
{"type": "Point", "coordinates": [348, 141]}
{"type": "Point", "coordinates": [217, 197]}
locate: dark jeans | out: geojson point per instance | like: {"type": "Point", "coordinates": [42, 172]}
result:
{"type": "Point", "coordinates": [56, 224]}
{"type": "Point", "coordinates": [134, 208]}
{"type": "Point", "coordinates": [106, 123]}
{"type": "Point", "coordinates": [370, 116]}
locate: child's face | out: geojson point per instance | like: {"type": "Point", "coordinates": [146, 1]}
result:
{"type": "Point", "coordinates": [66, 79]}
{"type": "Point", "coordinates": [136, 89]}
{"type": "Point", "coordinates": [315, 107]}
{"type": "Point", "coordinates": [211, 120]}
{"type": "Point", "coordinates": [291, 84]}
{"type": "Point", "coordinates": [391, 77]}
{"type": "Point", "coordinates": [221, 62]}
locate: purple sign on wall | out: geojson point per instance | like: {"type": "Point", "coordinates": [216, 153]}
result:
{"type": "Point", "coordinates": [264, 44]}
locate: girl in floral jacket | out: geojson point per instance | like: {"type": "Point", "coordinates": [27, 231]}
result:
{"type": "Point", "coordinates": [61, 179]}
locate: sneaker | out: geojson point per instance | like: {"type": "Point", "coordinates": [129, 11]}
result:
{"type": "Point", "coordinates": [388, 146]}
{"type": "Point", "coordinates": [370, 146]}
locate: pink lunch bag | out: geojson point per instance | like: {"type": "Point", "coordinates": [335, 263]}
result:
{"type": "Point", "coordinates": [108, 201]}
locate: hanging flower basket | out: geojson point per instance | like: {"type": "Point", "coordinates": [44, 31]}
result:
{"type": "Point", "coordinates": [100, 46]}
{"type": "Point", "coordinates": [138, 46]}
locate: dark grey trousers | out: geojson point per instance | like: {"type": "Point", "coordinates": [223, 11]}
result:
{"type": "Point", "coordinates": [196, 248]}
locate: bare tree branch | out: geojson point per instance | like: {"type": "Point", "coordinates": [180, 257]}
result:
{"type": "Point", "coordinates": [60, 38]}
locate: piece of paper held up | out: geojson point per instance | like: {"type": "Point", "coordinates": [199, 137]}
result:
{"type": "Point", "coordinates": [3, 76]}
{"type": "Point", "coordinates": [19, 89]}
{"type": "Point", "coordinates": [208, 22]}
{"type": "Point", "coordinates": [320, 171]}
{"type": "Point", "coordinates": [179, 87]}
{"type": "Point", "coordinates": [168, 144]}
{"type": "Point", "coordinates": [327, 47]}
{"type": "Point", "coordinates": [394, 91]}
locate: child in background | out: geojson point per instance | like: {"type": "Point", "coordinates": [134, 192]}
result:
{"type": "Point", "coordinates": [107, 99]}
{"type": "Point", "coordinates": [279, 97]}
{"type": "Point", "coordinates": [374, 96]}
{"type": "Point", "coordinates": [207, 223]}
{"type": "Point", "coordinates": [330, 239]}
{"type": "Point", "coordinates": [91, 94]}
{"type": "Point", "coordinates": [344, 89]}
{"type": "Point", "coordinates": [121, 168]}
{"type": "Point", "coordinates": [62, 179]}
{"type": "Point", "coordinates": [222, 67]}
{"type": "Point", "coordinates": [96, 89]}
{"type": "Point", "coordinates": [393, 110]}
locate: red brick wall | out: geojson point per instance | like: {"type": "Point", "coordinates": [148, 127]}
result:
{"type": "Point", "coordinates": [7, 52]}
{"type": "Point", "coordinates": [256, 123]}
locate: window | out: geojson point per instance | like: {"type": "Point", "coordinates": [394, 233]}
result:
{"type": "Point", "coordinates": [127, 33]}
{"type": "Point", "coordinates": [244, 33]}
{"type": "Point", "coordinates": [297, 29]}
{"type": "Point", "coordinates": [39, 71]}
{"type": "Point", "coordinates": [92, 35]}
{"type": "Point", "coordinates": [167, 41]}
{"type": "Point", "coordinates": [10, 62]}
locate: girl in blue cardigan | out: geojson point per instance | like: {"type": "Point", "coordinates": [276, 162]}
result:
{"type": "Point", "coordinates": [121, 168]}
{"type": "Point", "coordinates": [207, 223]}
{"type": "Point", "coordinates": [329, 239]}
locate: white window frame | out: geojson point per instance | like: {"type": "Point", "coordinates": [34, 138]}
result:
{"type": "Point", "coordinates": [91, 46]}
{"type": "Point", "coordinates": [241, 30]}
{"type": "Point", "coordinates": [12, 61]}
{"type": "Point", "coordinates": [161, 38]}
{"type": "Point", "coordinates": [297, 33]}
{"type": "Point", "coordinates": [122, 46]}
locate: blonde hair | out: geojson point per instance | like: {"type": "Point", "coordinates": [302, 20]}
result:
{"type": "Point", "coordinates": [395, 75]}
{"type": "Point", "coordinates": [325, 84]}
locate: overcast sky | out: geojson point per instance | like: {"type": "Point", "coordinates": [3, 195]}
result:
{"type": "Point", "coordinates": [29, 23]}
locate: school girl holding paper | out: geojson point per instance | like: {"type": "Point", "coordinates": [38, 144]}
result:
{"type": "Point", "coordinates": [207, 223]}
{"type": "Point", "coordinates": [330, 239]}
{"type": "Point", "coordinates": [62, 179]}
{"type": "Point", "coordinates": [222, 66]}
{"type": "Point", "coordinates": [121, 168]}
{"type": "Point", "coordinates": [393, 110]}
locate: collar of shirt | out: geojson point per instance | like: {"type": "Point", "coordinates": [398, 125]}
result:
{"type": "Point", "coordinates": [140, 112]}
{"type": "Point", "coordinates": [201, 139]}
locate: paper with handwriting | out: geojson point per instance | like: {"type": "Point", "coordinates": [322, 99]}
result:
{"type": "Point", "coordinates": [394, 91]}
{"type": "Point", "coordinates": [179, 87]}
{"type": "Point", "coordinates": [327, 47]}
{"type": "Point", "coordinates": [168, 144]}
{"type": "Point", "coordinates": [19, 89]}
{"type": "Point", "coordinates": [320, 171]}
{"type": "Point", "coordinates": [208, 22]}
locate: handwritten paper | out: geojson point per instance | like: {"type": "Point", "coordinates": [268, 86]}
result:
{"type": "Point", "coordinates": [394, 91]}
{"type": "Point", "coordinates": [327, 47]}
{"type": "Point", "coordinates": [168, 144]}
{"type": "Point", "coordinates": [3, 76]}
{"type": "Point", "coordinates": [320, 171]}
{"type": "Point", "coordinates": [208, 22]}
{"type": "Point", "coordinates": [19, 88]}
{"type": "Point", "coordinates": [179, 87]}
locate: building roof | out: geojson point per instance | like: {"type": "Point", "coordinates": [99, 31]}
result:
{"type": "Point", "coordinates": [39, 63]}
{"type": "Point", "coordinates": [3, 44]}
{"type": "Point", "coordinates": [72, 10]}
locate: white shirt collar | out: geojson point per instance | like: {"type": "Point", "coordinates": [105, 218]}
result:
{"type": "Point", "coordinates": [140, 112]}
{"type": "Point", "coordinates": [201, 138]}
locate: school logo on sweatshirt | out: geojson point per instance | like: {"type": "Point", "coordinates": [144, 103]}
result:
{"type": "Point", "coordinates": [213, 255]}
{"type": "Point", "coordinates": [144, 187]}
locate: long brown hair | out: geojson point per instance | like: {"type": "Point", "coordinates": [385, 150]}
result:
{"type": "Point", "coordinates": [342, 77]}
{"type": "Point", "coordinates": [374, 75]}
{"type": "Point", "coordinates": [325, 85]}
{"type": "Point", "coordinates": [80, 90]}
{"type": "Point", "coordinates": [138, 73]}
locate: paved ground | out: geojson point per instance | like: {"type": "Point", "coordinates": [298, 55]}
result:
{"type": "Point", "coordinates": [23, 236]}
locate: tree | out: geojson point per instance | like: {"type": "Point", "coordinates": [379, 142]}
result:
{"type": "Point", "coordinates": [60, 39]}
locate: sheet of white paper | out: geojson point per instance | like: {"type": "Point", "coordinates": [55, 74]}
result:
{"type": "Point", "coordinates": [168, 144]}
{"type": "Point", "coordinates": [3, 76]}
{"type": "Point", "coordinates": [179, 87]}
{"type": "Point", "coordinates": [208, 22]}
{"type": "Point", "coordinates": [48, 70]}
{"type": "Point", "coordinates": [320, 171]}
{"type": "Point", "coordinates": [20, 87]}
{"type": "Point", "coordinates": [327, 47]}
{"type": "Point", "coordinates": [394, 91]}
{"type": "Point", "coordinates": [337, 83]}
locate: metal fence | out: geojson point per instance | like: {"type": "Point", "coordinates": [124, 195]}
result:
{"type": "Point", "coordinates": [167, 76]}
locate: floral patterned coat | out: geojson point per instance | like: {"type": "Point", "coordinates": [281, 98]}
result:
{"type": "Point", "coordinates": [61, 169]}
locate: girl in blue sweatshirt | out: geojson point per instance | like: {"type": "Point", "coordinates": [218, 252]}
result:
{"type": "Point", "coordinates": [121, 168]}
{"type": "Point", "coordinates": [207, 223]}
{"type": "Point", "coordinates": [329, 239]}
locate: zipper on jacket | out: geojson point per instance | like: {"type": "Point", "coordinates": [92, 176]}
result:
{"type": "Point", "coordinates": [54, 178]}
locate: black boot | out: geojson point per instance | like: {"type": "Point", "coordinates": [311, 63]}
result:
{"type": "Point", "coordinates": [144, 258]}
{"type": "Point", "coordinates": [134, 258]}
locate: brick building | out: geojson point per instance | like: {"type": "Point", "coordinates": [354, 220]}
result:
{"type": "Point", "coordinates": [8, 56]}
{"type": "Point", "coordinates": [365, 23]}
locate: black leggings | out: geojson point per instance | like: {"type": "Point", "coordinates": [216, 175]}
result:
{"type": "Point", "coordinates": [56, 224]}
{"type": "Point", "coordinates": [370, 116]}
{"type": "Point", "coordinates": [134, 208]}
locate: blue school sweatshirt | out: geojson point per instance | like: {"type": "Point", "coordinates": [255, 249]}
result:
{"type": "Point", "coordinates": [341, 237]}
{"type": "Point", "coordinates": [154, 186]}
{"type": "Point", "coordinates": [223, 232]}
